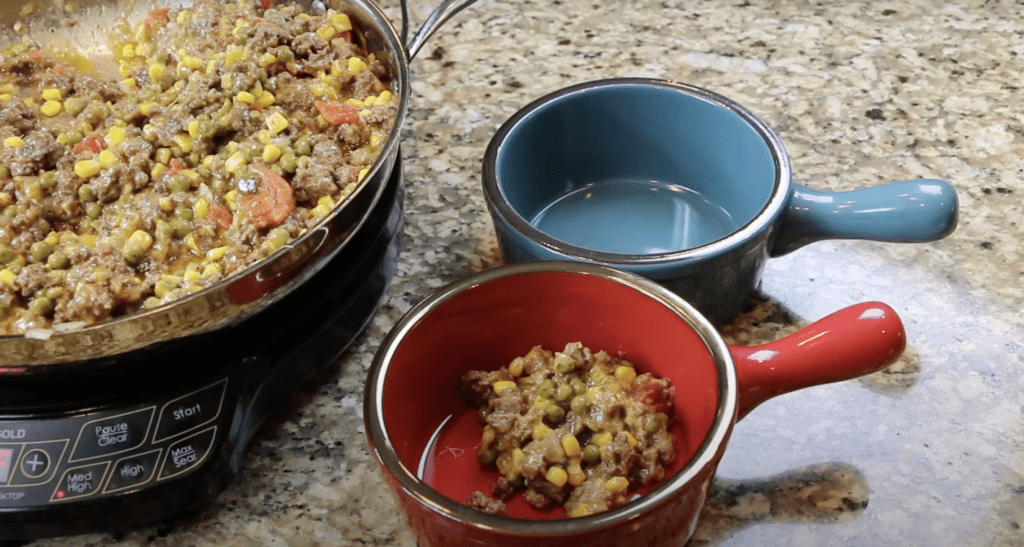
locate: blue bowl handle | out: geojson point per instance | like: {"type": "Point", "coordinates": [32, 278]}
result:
{"type": "Point", "coordinates": [909, 211]}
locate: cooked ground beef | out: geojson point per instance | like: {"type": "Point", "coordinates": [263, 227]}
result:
{"type": "Point", "coordinates": [571, 428]}
{"type": "Point", "coordinates": [234, 128]}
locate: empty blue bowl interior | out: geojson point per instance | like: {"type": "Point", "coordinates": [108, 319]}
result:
{"type": "Point", "coordinates": [637, 132]}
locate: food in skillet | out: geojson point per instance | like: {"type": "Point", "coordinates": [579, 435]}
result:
{"type": "Point", "coordinates": [234, 127]}
{"type": "Point", "coordinates": [571, 428]}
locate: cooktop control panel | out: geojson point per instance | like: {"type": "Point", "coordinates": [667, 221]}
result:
{"type": "Point", "coordinates": [60, 460]}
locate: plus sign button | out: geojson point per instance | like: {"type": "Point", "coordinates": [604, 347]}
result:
{"type": "Point", "coordinates": [35, 463]}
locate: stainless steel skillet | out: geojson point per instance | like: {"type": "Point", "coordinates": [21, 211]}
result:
{"type": "Point", "coordinates": [84, 26]}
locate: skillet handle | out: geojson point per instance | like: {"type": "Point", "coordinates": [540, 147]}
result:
{"type": "Point", "coordinates": [852, 342]}
{"type": "Point", "coordinates": [908, 211]}
{"type": "Point", "coordinates": [442, 13]}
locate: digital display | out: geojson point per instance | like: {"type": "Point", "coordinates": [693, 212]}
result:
{"type": "Point", "coordinates": [6, 455]}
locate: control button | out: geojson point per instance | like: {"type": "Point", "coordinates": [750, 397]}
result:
{"type": "Point", "coordinates": [113, 434]}
{"type": "Point", "coordinates": [35, 464]}
{"type": "Point", "coordinates": [191, 411]}
{"type": "Point", "coordinates": [80, 482]}
{"type": "Point", "coordinates": [39, 463]}
{"type": "Point", "coordinates": [133, 471]}
{"type": "Point", "coordinates": [187, 453]}
{"type": "Point", "coordinates": [8, 455]}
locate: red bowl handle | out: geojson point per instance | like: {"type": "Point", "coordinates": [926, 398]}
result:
{"type": "Point", "coordinates": [852, 342]}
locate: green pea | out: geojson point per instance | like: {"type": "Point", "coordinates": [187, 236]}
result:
{"type": "Point", "coordinates": [184, 212]}
{"type": "Point", "coordinates": [287, 162]}
{"type": "Point", "coordinates": [58, 260]}
{"type": "Point", "coordinates": [40, 305]}
{"type": "Point", "coordinates": [181, 228]}
{"type": "Point", "coordinates": [179, 183]}
{"type": "Point", "coordinates": [86, 194]}
{"type": "Point", "coordinates": [11, 210]}
{"type": "Point", "coordinates": [93, 210]}
{"type": "Point", "coordinates": [48, 179]}
{"type": "Point", "coordinates": [133, 252]}
{"type": "Point", "coordinates": [7, 253]}
{"type": "Point", "coordinates": [563, 393]}
{"type": "Point", "coordinates": [555, 414]}
{"type": "Point", "coordinates": [74, 106]}
{"type": "Point", "coordinates": [303, 146]}
{"type": "Point", "coordinates": [563, 363]}
{"type": "Point", "coordinates": [545, 389]}
{"type": "Point", "coordinates": [73, 136]}
{"type": "Point", "coordinates": [578, 386]}
{"type": "Point", "coordinates": [5, 173]}
{"type": "Point", "coordinates": [41, 250]}
{"type": "Point", "coordinates": [578, 405]}
{"type": "Point", "coordinates": [591, 454]}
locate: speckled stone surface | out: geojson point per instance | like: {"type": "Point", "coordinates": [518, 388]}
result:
{"type": "Point", "coordinates": [929, 452]}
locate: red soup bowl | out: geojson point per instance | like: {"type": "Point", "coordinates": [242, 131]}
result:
{"type": "Point", "coordinates": [486, 320]}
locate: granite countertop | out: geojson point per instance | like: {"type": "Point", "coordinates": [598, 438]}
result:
{"type": "Point", "coordinates": [928, 452]}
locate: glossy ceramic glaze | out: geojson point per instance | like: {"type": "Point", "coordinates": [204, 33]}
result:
{"type": "Point", "coordinates": [486, 320]}
{"type": "Point", "coordinates": [719, 194]}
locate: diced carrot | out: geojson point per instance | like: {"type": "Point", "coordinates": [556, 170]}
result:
{"type": "Point", "coordinates": [655, 394]}
{"type": "Point", "coordinates": [337, 112]}
{"type": "Point", "coordinates": [220, 215]}
{"type": "Point", "coordinates": [157, 15]}
{"type": "Point", "coordinates": [92, 143]}
{"type": "Point", "coordinates": [273, 201]}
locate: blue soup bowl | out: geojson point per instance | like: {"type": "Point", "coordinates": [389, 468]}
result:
{"type": "Point", "coordinates": [678, 184]}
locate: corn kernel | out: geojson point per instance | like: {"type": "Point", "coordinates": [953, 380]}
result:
{"type": "Point", "coordinates": [5, 97]}
{"type": "Point", "coordinates": [193, 129]}
{"type": "Point", "coordinates": [7, 88]}
{"type": "Point", "coordinates": [193, 276]}
{"type": "Point", "coordinates": [52, 94]}
{"type": "Point", "coordinates": [267, 59]}
{"type": "Point", "coordinates": [576, 474]}
{"type": "Point", "coordinates": [156, 72]}
{"type": "Point", "coordinates": [107, 159]}
{"type": "Point", "coordinates": [327, 32]}
{"type": "Point", "coordinates": [141, 238]}
{"type": "Point", "coordinates": [540, 431]}
{"type": "Point", "coordinates": [233, 163]}
{"type": "Point", "coordinates": [630, 439]}
{"type": "Point", "coordinates": [216, 253]}
{"type": "Point", "coordinates": [502, 385]}
{"type": "Point", "coordinates": [362, 173]}
{"type": "Point", "coordinates": [189, 61]}
{"type": "Point", "coordinates": [384, 97]}
{"type": "Point", "coordinates": [625, 374]}
{"type": "Point", "coordinates": [266, 98]}
{"type": "Point", "coordinates": [374, 139]}
{"type": "Point", "coordinates": [201, 208]}
{"type": "Point", "coordinates": [50, 108]}
{"type": "Point", "coordinates": [271, 153]}
{"type": "Point", "coordinates": [571, 445]}
{"type": "Point", "coordinates": [184, 141]}
{"type": "Point", "coordinates": [124, 69]}
{"type": "Point", "coordinates": [264, 136]}
{"type": "Point", "coordinates": [355, 102]}
{"type": "Point", "coordinates": [617, 484]}
{"type": "Point", "coordinates": [87, 168]}
{"type": "Point", "coordinates": [277, 123]}
{"type": "Point", "coordinates": [210, 270]}
{"type": "Point", "coordinates": [158, 170]}
{"type": "Point", "coordinates": [488, 436]}
{"type": "Point", "coordinates": [128, 51]}
{"type": "Point", "coordinates": [557, 476]}
{"type": "Point", "coordinates": [245, 97]}
{"type": "Point", "coordinates": [162, 287]}
{"type": "Point", "coordinates": [356, 65]}
{"type": "Point", "coordinates": [233, 55]}
{"type": "Point", "coordinates": [14, 142]}
{"type": "Point", "coordinates": [130, 82]}
{"type": "Point", "coordinates": [231, 198]}
{"type": "Point", "coordinates": [147, 108]}
{"type": "Point", "coordinates": [580, 510]}
{"type": "Point", "coordinates": [115, 136]}
{"type": "Point", "coordinates": [190, 241]}
{"type": "Point", "coordinates": [7, 276]}
{"type": "Point", "coordinates": [191, 174]}
{"type": "Point", "coordinates": [341, 22]}
{"type": "Point", "coordinates": [602, 438]}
